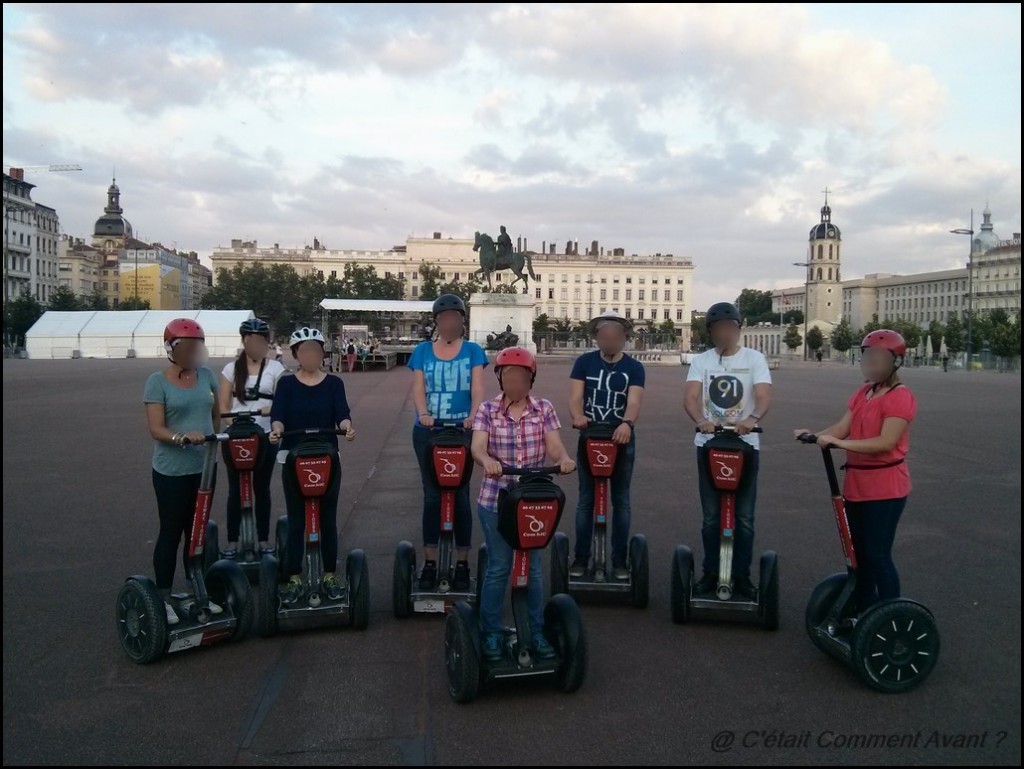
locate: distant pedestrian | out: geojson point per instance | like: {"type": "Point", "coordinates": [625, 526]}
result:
{"type": "Point", "coordinates": [817, 355]}
{"type": "Point", "coordinates": [945, 363]}
{"type": "Point", "coordinates": [350, 355]}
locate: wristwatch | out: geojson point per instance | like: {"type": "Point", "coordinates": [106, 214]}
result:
{"type": "Point", "coordinates": [628, 422]}
{"type": "Point", "coordinates": [756, 418]}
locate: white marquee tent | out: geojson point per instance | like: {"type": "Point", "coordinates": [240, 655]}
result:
{"type": "Point", "coordinates": [130, 333]}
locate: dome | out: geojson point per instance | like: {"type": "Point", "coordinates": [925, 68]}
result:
{"type": "Point", "coordinates": [986, 238]}
{"type": "Point", "coordinates": [825, 230]}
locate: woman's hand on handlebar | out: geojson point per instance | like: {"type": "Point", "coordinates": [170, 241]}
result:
{"type": "Point", "coordinates": [350, 431]}
{"type": "Point", "coordinates": [566, 466]}
{"type": "Point", "coordinates": [707, 426]}
{"type": "Point", "coordinates": [467, 423]}
{"type": "Point", "coordinates": [801, 431]}
{"type": "Point", "coordinates": [426, 420]}
{"type": "Point", "coordinates": [580, 423]}
{"type": "Point", "coordinates": [492, 468]}
{"type": "Point", "coordinates": [193, 438]}
{"type": "Point", "coordinates": [828, 440]}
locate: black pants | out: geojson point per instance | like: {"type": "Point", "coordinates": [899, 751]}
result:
{"type": "Point", "coordinates": [176, 504]}
{"type": "Point", "coordinates": [261, 476]}
{"type": "Point", "coordinates": [432, 498]}
{"type": "Point", "coordinates": [296, 504]}
{"type": "Point", "coordinates": [873, 530]}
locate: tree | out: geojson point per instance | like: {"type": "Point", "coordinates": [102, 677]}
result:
{"type": "Point", "coordinates": [95, 301]}
{"type": "Point", "coordinates": [1005, 339]}
{"type": "Point", "coordinates": [910, 331]}
{"type": "Point", "coordinates": [700, 339]}
{"type": "Point", "coordinates": [792, 338]}
{"type": "Point", "coordinates": [936, 331]}
{"type": "Point", "coordinates": [461, 289]}
{"type": "Point", "coordinates": [431, 275]}
{"type": "Point", "coordinates": [815, 339]}
{"type": "Point", "coordinates": [754, 306]}
{"type": "Point", "coordinates": [19, 316]}
{"type": "Point", "coordinates": [792, 316]}
{"type": "Point", "coordinates": [541, 326]}
{"type": "Point", "coordinates": [504, 288]}
{"type": "Point", "coordinates": [842, 336]}
{"type": "Point", "coordinates": [134, 303]}
{"type": "Point", "coordinates": [871, 325]}
{"type": "Point", "coordinates": [955, 343]}
{"type": "Point", "coordinates": [63, 298]}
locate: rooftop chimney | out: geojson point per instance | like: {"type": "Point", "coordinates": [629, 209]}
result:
{"type": "Point", "coordinates": [437, 236]}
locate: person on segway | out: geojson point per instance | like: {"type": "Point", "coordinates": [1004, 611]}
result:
{"type": "Point", "coordinates": [248, 384]}
{"type": "Point", "coordinates": [311, 399]}
{"type": "Point", "coordinates": [448, 387]}
{"type": "Point", "coordinates": [875, 433]}
{"type": "Point", "coordinates": [518, 430]}
{"type": "Point", "coordinates": [181, 409]}
{"type": "Point", "coordinates": [607, 385]}
{"type": "Point", "coordinates": [727, 385]}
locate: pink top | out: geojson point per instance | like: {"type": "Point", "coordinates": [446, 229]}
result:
{"type": "Point", "coordinates": [864, 485]}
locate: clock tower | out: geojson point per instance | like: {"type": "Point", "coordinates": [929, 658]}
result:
{"type": "Point", "coordinates": [824, 290]}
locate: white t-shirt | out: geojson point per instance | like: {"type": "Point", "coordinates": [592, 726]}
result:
{"type": "Point", "coordinates": [727, 387]}
{"type": "Point", "coordinates": [268, 383]}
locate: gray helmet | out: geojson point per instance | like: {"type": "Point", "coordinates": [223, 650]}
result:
{"type": "Point", "coordinates": [448, 302]}
{"type": "Point", "coordinates": [254, 326]}
{"type": "Point", "coordinates": [722, 311]}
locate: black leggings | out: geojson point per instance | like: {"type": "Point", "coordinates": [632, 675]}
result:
{"type": "Point", "coordinates": [873, 530]}
{"type": "Point", "coordinates": [176, 504]}
{"type": "Point", "coordinates": [261, 476]}
{"type": "Point", "coordinates": [296, 504]}
{"type": "Point", "coordinates": [432, 498]}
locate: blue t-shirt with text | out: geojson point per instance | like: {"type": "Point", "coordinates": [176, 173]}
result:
{"type": "Point", "coordinates": [448, 382]}
{"type": "Point", "coordinates": [606, 385]}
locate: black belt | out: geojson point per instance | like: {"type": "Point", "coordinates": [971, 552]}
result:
{"type": "Point", "coordinates": [848, 466]}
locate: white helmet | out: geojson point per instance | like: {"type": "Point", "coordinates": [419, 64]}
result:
{"type": "Point", "coordinates": [609, 316]}
{"type": "Point", "coordinates": [306, 334]}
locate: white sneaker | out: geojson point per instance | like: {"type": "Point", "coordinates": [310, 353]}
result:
{"type": "Point", "coordinates": [172, 616]}
{"type": "Point", "coordinates": [215, 609]}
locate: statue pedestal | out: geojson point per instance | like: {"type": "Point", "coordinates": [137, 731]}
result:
{"type": "Point", "coordinates": [493, 313]}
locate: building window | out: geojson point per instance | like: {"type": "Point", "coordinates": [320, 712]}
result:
{"type": "Point", "coordinates": [679, 314]}
{"type": "Point", "coordinates": [565, 293]}
{"type": "Point", "coordinates": [575, 313]}
{"type": "Point", "coordinates": [664, 314]}
{"type": "Point", "coordinates": [576, 294]}
{"type": "Point", "coordinates": [629, 293]}
{"type": "Point", "coordinates": [668, 295]}
{"type": "Point", "coordinates": [820, 251]}
{"type": "Point", "coordinates": [654, 281]}
{"type": "Point", "coordinates": [604, 294]}
{"type": "Point", "coordinates": [575, 278]}
{"type": "Point", "coordinates": [334, 274]}
{"type": "Point", "coordinates": [819, 270]}
{"type": "Point", "coordinates": [551, 293]}
{"type": "Point", "coordinates": [679, 296]}
{"type": "Point", "coordinates": [401, 276]}
{"type": "Point", "coordinates": [565, 278]}
{"type": "Point", "coordinates": [615, 292]}
{"type": "Point", "coordinates": [628, 281]}
{"type": "Point", "coordinates": [829, 250]}
{"type": "Point", "coordinates": [536, 293]}
{"type": "Point", "coordinates": [415, 290]}
{"type": "Point", "coordinates": [640, 314]}
{"type": "Point", "coordinates": [643, 279]}
{"type": "Point", "coordinates": [640, 294]}
{"type": "Point", "coordinates": [629, 312]}
{"type": "Point", "coordinates": [679, 281]}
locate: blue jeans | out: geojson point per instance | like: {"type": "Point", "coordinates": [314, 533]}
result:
{"type": "Point", "coordinates": [711, 529]}
{"type": "Point", "coordinates": [499, 566]}
{"type": "Point", "coordinates": [873, 529]}
{"type": "Point", "coordinates": [620, 505]}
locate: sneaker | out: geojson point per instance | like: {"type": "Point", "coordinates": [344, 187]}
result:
{"type": "Point", "coordinates": [333, 587]}
{"type": "Point", "coordinates": [172, 615]}
{"type": "Point", "coordinates": [707, 583]}
{"type": "Point", "coordinates": [744, 587]}
{"type": "Point", "coordinates": [542, 648]}
{"type": "Point", "coordinates": [214, 608]}
{"type": "Point", "coordinates": [460, 581]}
{"type": "Point", "coordinates": [492, 647]}
{"type": "Point", "coordinates": [620, 573]}
{"type": "Point", "coordinates": [579, 567]}
{"type": "Point", "coordinates": [266, 549]}
{"type": "Point", "coordinates": [291, 592]}
{"type": "Point", "coordinates": [428, 577]}
{"type": "Point", "coordinates": [230, 553]}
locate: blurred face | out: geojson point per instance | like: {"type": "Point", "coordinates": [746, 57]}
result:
{"type": "Point", "coordinates": [310, 355]}
{"type": "Point", "coordinates": [189, 353]}
{"type": "Point", "coordinates": [611, 338]}
{"type": "Point", "coordinates": [876, 363]}
{"type": "Point", "coordinates": [255, 345]}
{"type": "Point", "coordinates": [515, 381]}
{"type": "Point", "coordinates": [450, 324]}
{"type": "Point", "coordinates": [725, 334]}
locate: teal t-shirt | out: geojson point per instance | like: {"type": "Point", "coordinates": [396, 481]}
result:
{"type": "Point", "coordinates": [448, 382]}
{"type": "Point", "coordinates": [185, 410]}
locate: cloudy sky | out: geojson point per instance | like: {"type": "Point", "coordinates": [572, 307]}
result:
{"type": "Point", "coordinates": [703, 130]}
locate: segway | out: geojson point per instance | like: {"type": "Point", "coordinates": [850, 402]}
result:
{"type": "Point", "coordinates": [528, 514]}
{"type": "Point", "coordinates": [603, 456]}
{"type": "Point", "coordinates": [311, 463]}
{"type": "Point", "coordinates": [243, 449]}
{"type": "Point", "coordinates": [725, 457]}
{"type": "Point", "coordinates": [141, 618]}
{"type": "Point", "coordinates": [452, 468]}
{"type": "Point", "coordinates": [893, 645]}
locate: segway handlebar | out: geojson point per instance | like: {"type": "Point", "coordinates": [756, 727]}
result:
{"type": "Point", "coordinates": [244, 414]}
{"type": "Point", "coordinates": [720, 429]}
{"type": "Point", "coordinates": [208, 438]}
{"type": "Point", "coordinates": [451, 424]}
{"type": "Point", "coordinates": [812, 438]}
{"type": "Point", "coordinates": [315, 431]}
{"type": "Point", "coordinates": [600, 423]}
{"type": "Point", "coordinates": [551, 470]}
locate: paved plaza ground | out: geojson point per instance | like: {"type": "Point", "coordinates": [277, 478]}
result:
{"type": "Point", "coordinates": [79, 516]}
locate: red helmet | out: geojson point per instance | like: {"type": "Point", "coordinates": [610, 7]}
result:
{"type": "Point", "coordinates": [182, 328]}
{"type": "Point", "coordinates": [516, 356]}
{"type": "Point", "coordinates": [886, 339]}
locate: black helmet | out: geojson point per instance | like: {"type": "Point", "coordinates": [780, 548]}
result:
{"type": "Point", "coordinates": [722, 311]}
{"type": "Point", "coordinates": [254, 326]}
{"type": "Point", "coordinates": [448, 302]}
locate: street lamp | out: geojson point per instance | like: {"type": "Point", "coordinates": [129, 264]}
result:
{"type": "Point", "coordinates": [807, 299]}
{"type": "Point", "coordinates": [970, 289]}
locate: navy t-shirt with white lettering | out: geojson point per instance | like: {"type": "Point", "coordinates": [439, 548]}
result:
{"type": "Point", "coordinates": [606, 385]}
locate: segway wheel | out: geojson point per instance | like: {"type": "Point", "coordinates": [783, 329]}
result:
{"type": "Point", "coordinates": [460, 653]}
{"type": "Point", "coordinates": [563, 627]}
{"type": "Point", "coordinates": [639, 571]}
{"type": "Point", "coordinates": [141, 620]}
{"type": "Point", "coordinates": [228, 586]}
{"type": "Point", "coordinates": [211, 546]}
{"type": "Point", "coordinates": [481, 570]}
{"type": "Point", "coordinates": [768, 591]}
{"type": "Point", "coordinates": [822, 599]}
{"type": "Point", "coordinates": [401, 579]}
{"type": "Point", "coordinates": [559, 563]}
{"type": "Point", "coordinates": [682, 584]}
{"type": "Point", "coordinates": [268, 597]}
{"type": "Point", "coordinates": [358, 573]}
{"type": "Point", "coordinates": [895, 646]}
{"type": "Point", "coordinates": [281, 543]}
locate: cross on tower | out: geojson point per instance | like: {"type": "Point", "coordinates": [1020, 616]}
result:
{"type": "Point", "coordinates": [826, 191]}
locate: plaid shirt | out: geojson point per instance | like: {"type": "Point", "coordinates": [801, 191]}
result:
{"type": "Point", "coordinates": [515, 443]}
